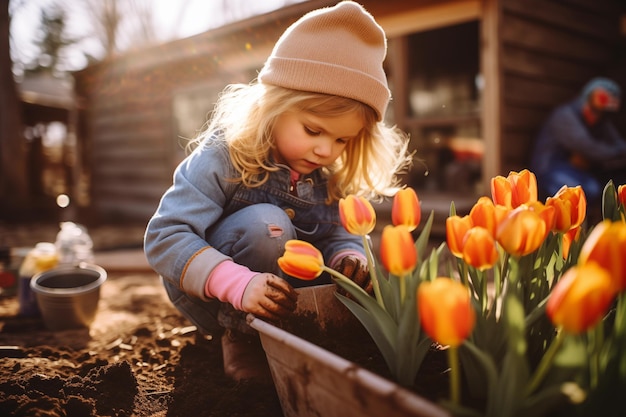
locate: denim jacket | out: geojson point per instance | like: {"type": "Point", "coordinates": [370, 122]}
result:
{"type": "Point", "coordinates": [203, 193]}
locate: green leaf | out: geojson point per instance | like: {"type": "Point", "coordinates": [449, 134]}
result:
{"type": "Point", "coordinates": [610, 206]}
{"type": "Point", "coordinates": [381, 328]}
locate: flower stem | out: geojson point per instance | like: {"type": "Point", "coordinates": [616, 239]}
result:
{"type": "Point", "coordinates": [455, 380]}
{"type": "Point", "coordinates": [372, 270]}
{"type": "Point", "coordinates": [544, 365]}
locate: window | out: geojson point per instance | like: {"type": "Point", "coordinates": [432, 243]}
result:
{"type": "Point", "coordinates": [440, 106]}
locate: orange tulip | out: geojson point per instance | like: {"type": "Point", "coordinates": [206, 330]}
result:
{"type": "Point", "coordinates": [301, 260]}
{"type": "Point", "coordinates": [483, 214]}
{"type": "Point", "coordinates": [621, 195]}
{"type": "Point", "coordinates": [570, 237]}
{"type": "Point", "coordinates": [514, 190]}
{"type": "Point", "coordinates": [456, 228]}
{"type": "Point", "coordinates": [581, 298]}
{"type": "Point", "coordinates": [522, 232]}
{"type": "Point", "coordinates": [479, 248]}
{"type": "Point", "coordinates": [357, 215]}
{"type": "Point", "coordinates": [397, 250]}
{"type": "Point", "coordinates": [606, 245]}
{"type": "Point", "coordinates": [406, 209]}
{"type": "Point", "coordinates": [570, 207]}
{"type": "Point", "coordinates": [545, 212]}
{"type": "Point", "coordinates": [445, 310]}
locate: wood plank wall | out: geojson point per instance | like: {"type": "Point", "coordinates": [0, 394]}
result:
{"type": "Point", "coordinates": [550, 49]}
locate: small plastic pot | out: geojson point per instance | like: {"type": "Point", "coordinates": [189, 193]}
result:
{"type": "Point", "coordinates": [68, 295]}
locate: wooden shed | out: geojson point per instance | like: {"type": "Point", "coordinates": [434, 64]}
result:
{"type": "Point", "coordinates": [471, 81]}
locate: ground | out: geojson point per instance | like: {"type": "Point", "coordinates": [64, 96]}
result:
{"type": "Point", "coordinates": [140, 357]}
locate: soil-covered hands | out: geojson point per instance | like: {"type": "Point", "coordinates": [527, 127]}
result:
{"type": "Point", "coordinates": [269, 296]}
{"type": "Point", "coordinates": [355, 269]}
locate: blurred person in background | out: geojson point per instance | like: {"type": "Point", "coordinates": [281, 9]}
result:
{"type": "Point", "coordinates": [579, 145]}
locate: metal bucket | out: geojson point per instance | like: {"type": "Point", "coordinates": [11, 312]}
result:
{"type": "Point", "coordinates": [68, 295]}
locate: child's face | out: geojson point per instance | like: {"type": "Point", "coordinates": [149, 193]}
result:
{"type": "Point", "coordinates": [306, 142]}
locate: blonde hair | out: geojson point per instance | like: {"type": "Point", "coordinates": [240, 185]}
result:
{"type": "Point", "coordinates": [245, 115]}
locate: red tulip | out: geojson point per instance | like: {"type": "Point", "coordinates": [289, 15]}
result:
{"type": "Point", "coordinates": [581, 298]}
{"type": "Point", "coordinates": [301, 260]}
{"type": "Point", "coordinates": [397, 250]}
{"type": "Point", "coordinates": [357, 215]}
{"type": "Point", "coordinates": [514, 190]}
{"type": "Point", "coordinates": [606, 246]}
{"type": "Point", "coordinates": [406, 209]}
{"type": "Point", "coordinates": [570, 207]}
{"type": "Point", "coordinates": [445, 310]}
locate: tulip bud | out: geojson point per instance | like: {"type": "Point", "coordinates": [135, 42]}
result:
{"type": "Point", "coordinates": [479, 248]}
{"type": "Point", "coordinates": [445, 310]}
{"type": "Point", "coordinates": [456, 228]}
{"type": "Point", "coordinates": [357, 215]}
{"type": "Point", "coordinates": [397, 250]}
{"type": "Point", "coordinates": [514, 190]}
{"type": "Point", "coordinates": [406, 209]}
{"type": "Point", "coordinates": [301, 260]}
{"type": "Point", "coordinates": [522, 232]}
{"type": "Point", "coordinates": [570, 207]}
{"type": "Point", "coordinates": [580, 298]}
{"type": "Point", "coordinates": [606, 246]}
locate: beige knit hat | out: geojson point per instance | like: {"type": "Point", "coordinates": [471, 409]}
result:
{"type": "Point", "coordinates": [335, 50]}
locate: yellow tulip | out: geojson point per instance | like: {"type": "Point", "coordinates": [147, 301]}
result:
{"type": "Point", "coordinates": [570, 207]}
{"type": "Point", "coordinates": [301, 260]}
{"type": "Point", "coordinates": [581, 298]}
{"type": "Point", "coordinates": [479, 248]}
{"type": "Point", "coordinates": [397, 250]}
{"type": "Point", "coordinates": [406, 209]}
{"type": "Point", "coordinates": [606, 245]}
{"type": "Point", "coordinates": [522, 232]}
{"type": "Point", "coordinates": [456, 228]}
{"type": "Point", "coordinates": [445, 310]}
{"type": "Point", "coordinates": [357, 215]}
{"type": "Point", "coordinates": [516, 189]}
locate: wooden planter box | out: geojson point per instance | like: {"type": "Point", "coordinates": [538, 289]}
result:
{"type": "Point", "coordinates": [311, 381]}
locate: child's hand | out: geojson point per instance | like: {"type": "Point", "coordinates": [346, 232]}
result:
{"type": "Point", "coordinates": [269, 296]}
{"type": "Point", "coordinates": [353, 268]}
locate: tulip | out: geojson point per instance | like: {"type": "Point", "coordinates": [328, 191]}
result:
{"type": "Point", "coordinates": [301, 260]}
{"type": "Point", "coordinates": [580, 298]}
{"type": "Point", "coordinates": [456, 228]}
{"type": "Point", "coordinates": [479, 248]}
{"type": "Point", "coordinates": [570, 207]}
{"type": "Point", "coordinates": [522, 232]}
{"type": "Point", "coordinates": [406, 209]}
{"type": "Point", "coordinates": [570, 237]}
{"type": "Point", "coordinates": [483, 214]}
{"type": "Point", "coordinates": [445, 310]}
{"type": "Point", "coordinates": [606, 245]}
{"type": "Point", "coordinates": [545, 212]}
{"type": "Point", "coordinates": [514, 190]}
{"type": "Point", "coordinates": [397, 250]}
{"type": "Point", "coordinates": [621, 195]}
{"type": "Point", "coordinates": [447, 316]}
{"type": "Point", "coordinates": [357, 215]}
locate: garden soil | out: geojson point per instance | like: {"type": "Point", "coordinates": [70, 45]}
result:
{"type": "Point", "coordinates": [140, 357]}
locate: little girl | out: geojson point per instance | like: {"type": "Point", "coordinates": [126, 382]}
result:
{"type": "Point", "coordinates": [275, 159]}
